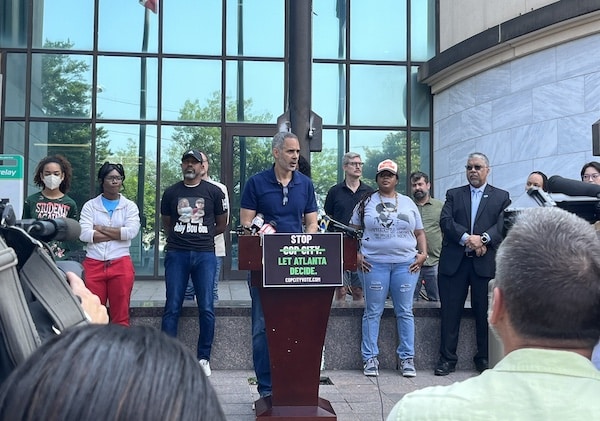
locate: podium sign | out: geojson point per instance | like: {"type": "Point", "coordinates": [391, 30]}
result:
{"type": "Point", "coordinates": [300, 260]}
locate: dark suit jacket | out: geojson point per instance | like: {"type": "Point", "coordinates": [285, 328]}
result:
{"type": "Point", "coordinates": [455, 220]}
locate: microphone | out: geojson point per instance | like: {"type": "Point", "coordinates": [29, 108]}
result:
{"type": "Point", "coordinates": [558, 184]}
{"type": "Point", "coordinates": [268, 228]}
{"type": "Point", "coordinates": [257, 223]}
{"type": "Point", "coordinates": [351, 232]}
{"type": "Point", "coordinates": [59, 229]}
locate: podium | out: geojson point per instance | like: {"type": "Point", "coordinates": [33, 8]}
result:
{"type": "Point", "coordinates": [296, 324]}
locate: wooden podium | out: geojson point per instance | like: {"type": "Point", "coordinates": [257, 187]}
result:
{"type": "Point", "coordinates": [296, 323]}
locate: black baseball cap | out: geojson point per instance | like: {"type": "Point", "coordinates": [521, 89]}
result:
{"type": "Point", "coordinates": [194, 153]}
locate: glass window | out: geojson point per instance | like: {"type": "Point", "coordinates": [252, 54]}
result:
{"type": "Point", "coordinates": [255, 28]}
{"type": "Point", "coordinates": [191, 90]}
{"type": "Point", "coordinates": [66, 21]}
{"type": "Point", "coordinates": [377, 95]}
{"type": "Point", "coordinates": [14, 138]}
{"type": "Point", "coordinates": [15, 84]}
{"type": "Point", "coordinates": [73, 141]}
{"type": "Point", "coordinates": [376, 145]}
{"type": "Point", "coordinates": [420, 101]}
{"type": "Point", "coordinates": [61, 85]}
{"type": "Point", "coordinates": [420, 152]}
{"type": "Point", "coordinates": [118, 90]}
{"type": "Point", "coordinates": [14, 23]}
{"type": "Point", "coordinates": [329, 92]}
{"type": "Point", "coordinates": [422, 33]}
{"type": "Point", "coordinates": [378, 30]}
{"type": "Point", "coordinates": [192, 26]}
{"type": "Point", "coordinates": [247, 82]}
{"type": "Point", "coordinates": [330, 158]}
{"type": "Point", "coordinates": [329, 29]}
{"type": "Point", "coordinates": [121, 26]}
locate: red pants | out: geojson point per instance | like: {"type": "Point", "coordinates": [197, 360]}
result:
{"type": "Point", "coordinates": [111, 280]}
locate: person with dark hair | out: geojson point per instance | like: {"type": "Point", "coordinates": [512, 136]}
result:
{"type": "Point", "coordinates": [53, 175]}
{"type": "Point", "coordinates": [545, 310]}
{"type": "Point", "coordinates": [287, 197]}
{"type": "Point", "coordinates": [472, 226]}
{"type": "Point", "coordinates": [110, 373]}
{"type": "Point", "coordinates": [590, 172]}
{"type": "Point", "coordinates": [190, 250]}
{"type": "Point", "coordinates": [392, 251]}
{"type": "Point", "coordinates": [430, 210]}
{"type": "Point", "coordinates": [537, 179]}
{"type": "Point", "coordinates": [108, 224]}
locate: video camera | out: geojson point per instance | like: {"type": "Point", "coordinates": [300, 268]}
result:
{"type": "Point", "coordinates": [582, 199]}
{"type": "Point", "coordinates": [32, 284]}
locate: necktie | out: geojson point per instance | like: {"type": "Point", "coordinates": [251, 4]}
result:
{"type": "Point", "coordinates": [475, 199]}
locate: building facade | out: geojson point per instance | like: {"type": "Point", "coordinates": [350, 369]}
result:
{"type": "Point", "coordinates": [112, 80]}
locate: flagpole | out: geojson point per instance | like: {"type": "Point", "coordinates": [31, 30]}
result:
{"type": "Point", "coordinates": [142, 138]}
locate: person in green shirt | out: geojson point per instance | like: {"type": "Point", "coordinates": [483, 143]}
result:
{"type": "Point", "coordinates": [430, 210]}
{"type": "Point", "coordinates": [53, 175]}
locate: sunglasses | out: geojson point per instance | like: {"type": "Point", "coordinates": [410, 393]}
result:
{"type": "Point", "coordinates": [285, 195]}
{"type": "Point", "coordinates": [476, 167]}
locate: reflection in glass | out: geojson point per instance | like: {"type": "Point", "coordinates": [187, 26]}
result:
{"type": "Point", "coordinates": [329, 29]}
{"type": "Point", "coordinates": [420, 101]}
{"type": "Point", "coordinates": [72, 140]}
{"type": "Point", "coordinates": [377, 145]}
{"type": "Point", "coordinates": [118, 92]}
{"type": "Point", "coordinates": [377, 95]}
{"type": "Point", "coordinates": [421, 152]}
{"type": "Point", "coordinates": [69, 21]}
{"type": "Point", "coordinates": [13, 135]}
{"type": "Point", "coordinates": [259, 93]}
{"type": "Point", "coordinates": [191, 26]}
{"type": "Point", "coordinates": [422, 29]}
{"type": "Point", "coordinates": [121, 26]}
{"type": "Point", "coordinates": [61, 85]}
{"type": "Point", "coordinates": [15, 84]}
{"type": "Point", "coordinates": [191, 90]}
{"type": "Point", "coordinates": [330, 158]}
{"type": "Point", "coordinates": [329, 92]}
{"type": "Point", "coordinates": [255, 28]}
{"type": "Point", "coordinates": [378, 30]}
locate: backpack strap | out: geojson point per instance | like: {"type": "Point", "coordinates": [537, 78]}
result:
{"type": "Point", "coordinates": [19, 332]}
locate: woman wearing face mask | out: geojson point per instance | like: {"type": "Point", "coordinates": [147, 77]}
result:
{"type": "Point", "coordinates": [108, 224]}
{"type": "Point", "coordinates": [53, 175]}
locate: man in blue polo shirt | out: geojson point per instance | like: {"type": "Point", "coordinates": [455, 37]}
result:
{"type": "Point", "coordinates": [285, 196]}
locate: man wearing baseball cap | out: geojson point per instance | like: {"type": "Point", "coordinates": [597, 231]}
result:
{"type": "Point", "coordinates": [193, 211]}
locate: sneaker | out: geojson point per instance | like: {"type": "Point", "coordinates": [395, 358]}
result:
{"type": "Point", "coordinates": [371, 367]}
{"type": "Point", "coordinates": [407, 367]}
{"type": "Point", "coordinates": [206, 367]}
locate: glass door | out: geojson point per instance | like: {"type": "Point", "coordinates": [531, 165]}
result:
{"type": "Point", "coordinates": [250, 152]}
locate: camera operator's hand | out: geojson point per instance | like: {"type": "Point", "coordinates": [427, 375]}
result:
{"type": "Point", "coordinates": [90, 302]}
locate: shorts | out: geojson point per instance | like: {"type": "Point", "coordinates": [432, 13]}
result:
{"type": "Point", "coordinates": [351, 279]}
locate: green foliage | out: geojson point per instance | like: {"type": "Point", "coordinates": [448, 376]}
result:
{"type": "Point", "coordinates": [66, 94]}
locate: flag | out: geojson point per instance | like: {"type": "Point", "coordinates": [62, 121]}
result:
{"type": "Point", "coordinates": [150, 4]}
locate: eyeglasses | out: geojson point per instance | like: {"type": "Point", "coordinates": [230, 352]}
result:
{"type": "Point", "coordinates": [356, 164]}
{"type": "Point", "coordinates": [285, 195]}
{"type": "Point", "coordinates": [116, 178]}
{"type": "Point", "coordinates": [588, 177]}
{"type": "Point", "coordinates": [476, 167]}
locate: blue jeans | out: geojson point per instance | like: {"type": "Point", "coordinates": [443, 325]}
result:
{"type": "Point", "coordinates": [395, 278]}
{"type": "Point", "coordinates": [189, 290]}
{"type": "Point", "coordinates": [260, 348]}
{"type": "Point", "coordinates": [179, 266]}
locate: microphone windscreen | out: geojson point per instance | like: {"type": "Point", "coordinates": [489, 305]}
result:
{"type": "Point", "coordinates": [67, 229]}
{"type": "Point", "coordinates": [558, 184]}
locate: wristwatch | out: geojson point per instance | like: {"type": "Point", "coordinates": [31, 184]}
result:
{"type": "Point", "coordinates": [485, 238]}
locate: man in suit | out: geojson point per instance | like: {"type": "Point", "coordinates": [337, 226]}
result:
{"type": "Point", "coordinates": [471, 222]}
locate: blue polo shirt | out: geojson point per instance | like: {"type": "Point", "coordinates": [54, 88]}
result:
{"type": "Point", "coordinates": [264, 194]}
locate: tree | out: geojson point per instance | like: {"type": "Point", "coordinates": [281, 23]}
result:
{"type": "Point", "coordinates": [65, 93]}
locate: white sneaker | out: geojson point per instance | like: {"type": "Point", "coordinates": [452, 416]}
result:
{"type": "Point", "coordinates": [206, 367]}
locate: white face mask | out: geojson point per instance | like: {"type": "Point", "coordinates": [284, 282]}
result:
{"type": "Point", "coordinates": [52, 181]}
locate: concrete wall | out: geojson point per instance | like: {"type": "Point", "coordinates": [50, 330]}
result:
{"type": "Point", "coordinates": [532, 113]}
{"type": "Point", "coordinates": [232, 347]}
{"type": "Point", "coordinates": [461, 19]}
